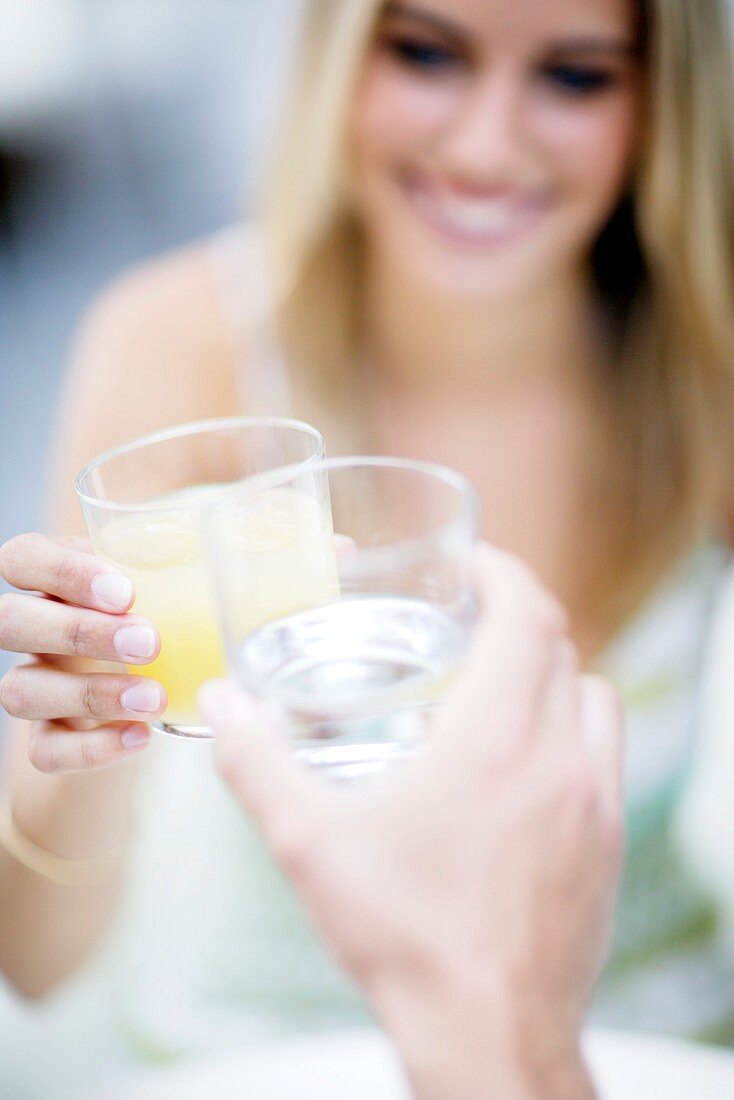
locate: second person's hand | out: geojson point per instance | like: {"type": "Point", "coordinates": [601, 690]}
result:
{"type": "Point", "coordinates": [73, 612]}
{"type": "Point", "coordinates": [471, 896]}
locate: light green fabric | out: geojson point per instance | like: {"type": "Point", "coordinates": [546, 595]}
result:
{"type": "Point", "coordinates": [668, 969]}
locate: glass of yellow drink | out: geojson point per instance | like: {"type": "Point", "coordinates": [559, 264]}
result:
{"type": "Point", "coordinates": [146, 504]}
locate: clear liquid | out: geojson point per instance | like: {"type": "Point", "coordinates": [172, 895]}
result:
{"type": "Point", "coordinates": [357, 678]}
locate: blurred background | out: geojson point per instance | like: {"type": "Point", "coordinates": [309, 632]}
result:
{"type": "Point", "coordinates": [126, 127]}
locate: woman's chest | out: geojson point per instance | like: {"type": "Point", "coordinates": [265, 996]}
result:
{"type": "Point", "coordinates": [529, 460]}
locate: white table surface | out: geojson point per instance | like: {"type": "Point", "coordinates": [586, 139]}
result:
{"type": "Point", "coordinates": [363, 1066]}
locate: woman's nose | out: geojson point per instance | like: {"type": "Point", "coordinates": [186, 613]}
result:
{"type": "Point", "coordinates": [484, 139]}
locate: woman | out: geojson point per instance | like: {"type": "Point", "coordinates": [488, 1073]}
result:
{"type": "Point", "coordinates": [495, 235]}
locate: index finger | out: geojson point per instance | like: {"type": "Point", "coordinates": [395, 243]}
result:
{"type": "Point", "coordinates": [36, 563]}
{"type": "Point", "coordinates": [498, 698]}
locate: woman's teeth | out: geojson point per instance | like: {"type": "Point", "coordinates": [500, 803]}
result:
{"type": "Point", "coordinates": [480, 216]}
{"type": "Point", "coordinates": [475, 219]}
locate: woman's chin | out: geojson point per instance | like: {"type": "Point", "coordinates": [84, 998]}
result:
{"type": "Point", "coordinates": [452, 273]}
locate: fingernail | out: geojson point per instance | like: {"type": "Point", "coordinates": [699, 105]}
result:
{"type": "Point", "coordinates": [142, 698]}
{"type": "Point", "coordinates": [135, 642]}
{"type": "Point", "coordinates": [113, 590]}
{"type": "Point", "coordinates": [135, 736]}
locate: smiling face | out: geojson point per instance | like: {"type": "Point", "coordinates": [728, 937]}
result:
{"type": "Point", "coordinates": [490, 140]}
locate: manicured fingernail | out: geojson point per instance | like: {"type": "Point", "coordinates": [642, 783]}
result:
{"type": "Point", "coordinates": [135, 642]}
{"type": "Point", "coordinates": [142, 698]}
{"type": "Point", "coordinates": [113, 590]}
{"type": "Point", "coordinates": [135, 736]}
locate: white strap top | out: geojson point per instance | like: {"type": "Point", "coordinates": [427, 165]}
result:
{"type": "Point", "coordinates": [240, 271]}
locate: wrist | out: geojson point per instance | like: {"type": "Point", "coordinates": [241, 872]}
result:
{"type": "Point", "coordinates": [495, 1078]}
{"type": "Point", "coordinates": [76, 815]}
{"type": "Point", "coordinates": [482, 1049]}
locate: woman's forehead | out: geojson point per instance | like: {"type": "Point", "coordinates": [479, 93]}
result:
{"type": "Point", "coordinates": [521, 19]}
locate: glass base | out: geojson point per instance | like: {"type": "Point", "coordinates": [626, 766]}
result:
{"type": "Point", "coordinates": [178, 729]}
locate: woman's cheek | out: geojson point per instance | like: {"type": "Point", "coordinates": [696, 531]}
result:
{"type": "Point", "coordinates": [592, 149]}
{"type": "Point", "coordinates": [396, 112]}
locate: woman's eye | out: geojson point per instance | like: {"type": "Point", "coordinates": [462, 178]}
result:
{"type": "Point", "coordinates": [578, 81]}
{"type": "Point", "coordinates": [423, 55]}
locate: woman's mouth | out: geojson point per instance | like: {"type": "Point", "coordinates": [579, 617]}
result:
{"type": "Point", "coordinates": [472, 217]}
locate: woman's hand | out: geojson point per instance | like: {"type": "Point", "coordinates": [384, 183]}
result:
{"type": "Point", "coordinates": [471, 893]}
{"type": "Point", "coordinates": [82, 718]}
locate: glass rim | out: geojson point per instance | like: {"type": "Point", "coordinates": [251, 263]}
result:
{"type": "Point", "coordinates": [461, 484]}
{"type": "Point", "coordinates": [193, 427]}
{"type": "Point", "coordinates": [452, 478]}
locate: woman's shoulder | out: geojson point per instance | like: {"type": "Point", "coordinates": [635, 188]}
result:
{"type": "Point", "coordinates": [153, 349]}
{"type": "Point", "coordinates": [167, 323]}
{"type": "Point", "coordinates": [173, 299]}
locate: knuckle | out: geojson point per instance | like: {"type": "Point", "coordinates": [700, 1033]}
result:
{"type": "Point", "coordinates": [92, 698]}
{"type": "Point", "coordinates": [65, 572]}
{"type": "Point", "coordinates": [93, 751]}
{"type": "Point", "coordinates": [79, 637]}
{"type": "Point", "coordinates": [12, 695]}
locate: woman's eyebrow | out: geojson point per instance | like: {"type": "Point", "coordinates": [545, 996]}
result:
{"type": "Point", "coordinates": [429, 18]}
{"type": "Point", "coordinates": [623, 47]}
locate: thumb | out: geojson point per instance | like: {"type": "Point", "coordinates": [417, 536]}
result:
{"type": "Point", "coordinates": [255, 760]}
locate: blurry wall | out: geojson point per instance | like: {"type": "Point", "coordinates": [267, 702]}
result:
{"type": "Point", "coordinates": [126, 127]}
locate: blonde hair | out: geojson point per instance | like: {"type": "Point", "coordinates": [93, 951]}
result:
{"type": "Point", "coordinates": [663, 266]}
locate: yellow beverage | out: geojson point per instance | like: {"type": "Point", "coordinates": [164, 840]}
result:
{"type": "Point", "coordinates": [280, 552]}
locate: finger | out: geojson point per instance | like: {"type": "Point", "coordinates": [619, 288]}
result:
{"type": "Point", "coordinates": [498, 697]}
{"type": "Point", "coordinates": [37, 692]}
{"type": "Point", "coordinates": [560, 718]}
{"type": "Point", "coordinates": [32, 625]}
{"type": "Point", "coordinates": [258, 764]}
{"type": "Point", "coordinates": [54, 749]}
{"type": "Point", "coordinates": [602, 725]}
{"type": "Point", "coordinates": [519, 620]}
{"type": "Point", "coordinates": [37, 563]}
{"type": "Point", "coordinates": [503, 579]}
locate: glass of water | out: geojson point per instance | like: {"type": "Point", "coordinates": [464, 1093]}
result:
{"type": "Point", "coordinates": [355, 677]}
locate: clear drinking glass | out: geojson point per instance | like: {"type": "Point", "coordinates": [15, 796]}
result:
{"type": "Point", "coordinates": [144, 503]}
{"type": "Point", "coordinates": [355, 675]}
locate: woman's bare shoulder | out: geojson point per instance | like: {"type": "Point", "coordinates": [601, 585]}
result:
{"type": "Point", "coordinates": [153, 349]}
{"type": "Point", "coordinates": [168, 304]}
